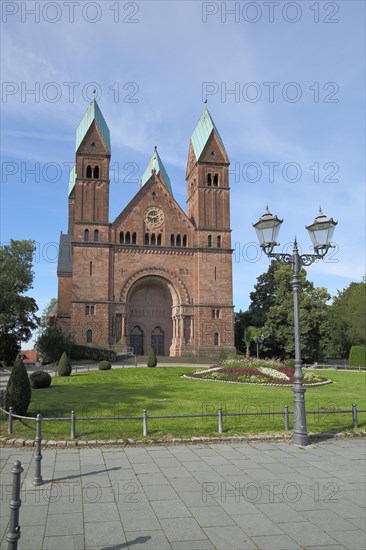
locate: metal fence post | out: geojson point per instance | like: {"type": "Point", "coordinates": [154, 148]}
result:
{"type": "Point", "coordinates": [286, 417]}
{"type": "Point", "coordinates": [354, 416]}
{"type": "Point", "coordinates": [37, 480]}
{"type": "Point", "coordinates": [144, 422]}
{"type": "Point", "coordinates": [10, 421]}
{"type": "Point", "coordinates": [13, 535]}
{"type": "Point", "coordinates": [73, 425]}
{"type": "Point", "coordinates": [219, 420]}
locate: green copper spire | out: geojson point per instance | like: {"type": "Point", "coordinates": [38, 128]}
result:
{"type": "Point", "coordinates": [93, 113]}
{"type": "Point", "coordinates": [202, 132]}
{"type": "Point", "coordinates": [157, 165]}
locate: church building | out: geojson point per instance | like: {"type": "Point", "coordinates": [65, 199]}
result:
{"type": "Point", "coordinates": [155, 277]}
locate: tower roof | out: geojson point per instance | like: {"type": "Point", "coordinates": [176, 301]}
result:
{"type": "Point", "coordinates": [93, 113]}
{"type": "Point", "coordinates": [157, 165]}
{"type": "Point", "coordinates": [202, 132]}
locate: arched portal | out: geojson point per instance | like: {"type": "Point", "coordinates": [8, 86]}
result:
{"type": "Point", "coordinates": [150, 303]}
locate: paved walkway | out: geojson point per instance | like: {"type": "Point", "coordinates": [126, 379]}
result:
{"type": "Point", "coordinates": [214, 496]}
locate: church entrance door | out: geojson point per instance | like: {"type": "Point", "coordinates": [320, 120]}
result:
{"type": "Point", "coordinates": [157, 341]}
{"type": "Point", "coordinates": [137, 341]}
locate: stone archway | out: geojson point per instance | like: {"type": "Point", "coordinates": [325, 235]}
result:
{"type": "Point", "coordinates": [150, 304]}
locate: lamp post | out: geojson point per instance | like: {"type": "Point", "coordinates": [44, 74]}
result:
{"type": "Point", "coordinates": [321, 233]}
{"type": "Point", "coordinates": [259, 340]}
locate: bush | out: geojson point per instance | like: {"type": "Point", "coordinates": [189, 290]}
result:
{"type": "Point", "coordinates": [40, 379]}
{"type": "Point", "coordinates": [222, 355]}
{"type": "Point", "coordinates": [290, 363]}
{"type": "Point", "coordinates": [357, 356]}
{"type": "Point", "coordinates": [18, 390]}
{"type": "Point", "coordinates": [52, 343]}
{"type": "Point", "coordinates": [104, 365]}
{"type": "Point", "coordinates": [79, 352]}
{"type": "Point", "coordinates": [64, 365]}
{"type": "Point", "coordinates": [151, 359]}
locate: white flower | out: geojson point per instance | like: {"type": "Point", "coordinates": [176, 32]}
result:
{"type": "Point", "coordinates": [274, 373]}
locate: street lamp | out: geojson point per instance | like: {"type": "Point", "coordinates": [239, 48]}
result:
{"type": "Point", "coordinates": [259, 340]}
{"type": "Point", "coordinates": [321, 233]}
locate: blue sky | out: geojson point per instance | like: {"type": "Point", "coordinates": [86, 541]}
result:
{"type": "Point", "coordinates": [293, 124]}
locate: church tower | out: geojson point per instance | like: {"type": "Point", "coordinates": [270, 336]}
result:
{"type": "Point", "coordinates": [208, 208]}
{"type": "Point", "coordinates": [89, 178]}
{"type": "Point", "coordinates": [208, 204]}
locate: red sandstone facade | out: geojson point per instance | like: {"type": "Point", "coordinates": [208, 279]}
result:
{"type": "Point", "coordinates": [156, 276]}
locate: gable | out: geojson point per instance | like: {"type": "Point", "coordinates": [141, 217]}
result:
{"type": "Point", "coordinates": [93, 142]}
{"type": "Point", "coordinates": [213, 151]}
{"type": "Point", "coordinates": [153, 194]}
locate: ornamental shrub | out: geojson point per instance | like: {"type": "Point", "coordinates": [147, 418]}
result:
{"type": "Point", "coordinates": [357, 356]}
{"type": "Point", "coordinates": [40, 379]}
{"type": "Point", "coordinates": [79, 352]}
{"type": "Point", "coordinates": [64, 366]}
{"type": "Point", "coordinates": [18, 390]}
{"type": "Point", "coordinates": [104, 365]}
{"type": "Point", "coordinates": [151, 359]}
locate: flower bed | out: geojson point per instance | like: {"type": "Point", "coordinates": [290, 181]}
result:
{"type": "Point", "coordinates": [251, 372]}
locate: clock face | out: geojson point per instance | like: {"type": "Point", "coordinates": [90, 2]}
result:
{"type": "Point", "coordinates": [154, 217]}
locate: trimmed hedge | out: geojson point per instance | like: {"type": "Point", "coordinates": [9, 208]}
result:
{"type": "Point", "coordinates": [357, 356]}
{"type": "Point", "coordinates": [151, 359]}
{"type": "Point", "coordinates": [18, 390]}
{"type": "Point", "coordinates": [79, 352]}
{"type": "Point", "coordinates": [40, 379]}
{"type": "Point", "coordinates": [104, 365]}
{"type": "Point", "coordinates": [64, 366]}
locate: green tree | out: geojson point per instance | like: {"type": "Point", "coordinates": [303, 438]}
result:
{"type": "Point", "coordinates": [347, 320]}
{"type": "Point", "coordinates": [52, 342]}
{"type": "Point", "coordinates": [242, 319]}
{"type": "Point", "coordinates": [46, 318]}
{"type": "Point", "coordinates": [249, 334]}
{"type": "Point", "coordinates": [264, 295]}
{"type": "Point", "coordinates": [314, 318]}
{"type": "Point", "coordinates": [17, 311]}
{"type": "Point", "coordinates": [18, 390]}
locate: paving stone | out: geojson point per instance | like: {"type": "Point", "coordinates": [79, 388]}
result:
{"type": "Point", "coordinates": [229, 538]}
{"type": "Point", "coordinates": [196, 498]}
{"type": "Point", "coordinates": [351, 539]}
{"type": "Point", "coordinates": [186, 529]}
{"type": "Point", "coordinates": [100, 513]}
{"type": "Point", "coordinates": [256, 524]}
{"type": "Point", "coordinates": [152, 479]}
{"type": "Point", "coordinates": [64, 524]}
{"type": "Point", "coordinates": [141, 520]}
{"type": "Point", "coordinates": [64, 542]}
{"type": "Point", "coordinates": [160, 492]}
{"type": "Point", "coordinates": [276, 542]}
{"type": "Point", "coordinates": [104, 534]}
{"type": "Point", "coordinates": [147, 540]}
{"type": "Point", "coordinates": [307, 534]}
{"type": "Point", "coordinates": [280, 513]}
{"type": "Point", "coordinates": [192, 545]}
{"type": "Point", "coordinates": [145, 468]}
{"type": "Point", "coordinates": [176, 472]}
{"type": "Point", "coordinates": [170, 509]}
{"type": "Point", "coordinates": [329, 520]}
{"type": "Point", "coordinates": [211, 516]}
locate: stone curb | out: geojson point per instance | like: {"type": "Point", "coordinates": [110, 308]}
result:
{"type": "Point", "coordinates": [8, 441]}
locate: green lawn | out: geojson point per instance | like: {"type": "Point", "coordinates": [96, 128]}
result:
{"type": "Point", "coordinates": [162, 391]}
